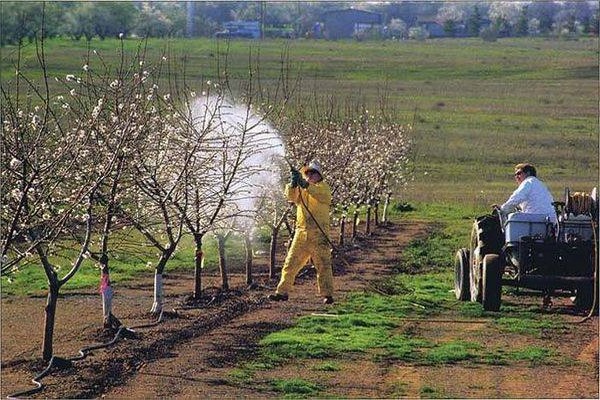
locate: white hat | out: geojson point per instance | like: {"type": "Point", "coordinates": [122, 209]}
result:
{"type": "Point", "coordinates": [315, 166]}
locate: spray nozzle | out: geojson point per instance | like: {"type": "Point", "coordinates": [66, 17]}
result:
{"type": "Point", "coordinates": [292, 168]}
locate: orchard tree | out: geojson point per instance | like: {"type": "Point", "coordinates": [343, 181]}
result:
{"type": "Point", "coordinates": [55, 179]}
{"type": "Point", "coordinates": [363, 156]}
{"type": "Point", "coordinates": [240, 146]}
{"type": "Point", "coordinates": [151, 171]}
{"type": "Point", "coordinates": [272, 211]}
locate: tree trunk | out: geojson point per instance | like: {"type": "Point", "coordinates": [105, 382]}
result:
{"type": "Point", "coordinates": [50, 318]}
{"type": "Point", "coordinates": [248, 245]}
{"type": "Point", "coordinates": [354, 223]}
{"type": "Point", "coordinates": [222, 263]}
{"type": "Point", "coordinates": [368, 221]}
{"type": "Point", "coordinates": [198, 265]}
{"type": "Point", "coordinates": [274, 235]}
{"type": "Point", "coordinates": [376, 214]}
{"type": "Point", "coordinates": [342, 228]}
{"type": "Point", "coordinates": [158, 294]}
{"type": "Point", "coordinates": [157, 305]}
{"type": "Point", "coordinates": [106, 291]}
{"type": "Point", "coordinates": [385, 207]}
{"type": "Point", "coordinates": [273, 252]}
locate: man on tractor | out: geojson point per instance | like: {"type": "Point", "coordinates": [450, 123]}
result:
{"type": "Point", "coordinates": [531, 196]}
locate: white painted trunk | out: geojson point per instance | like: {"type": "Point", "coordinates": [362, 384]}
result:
{"type": "Point", "coordinates": [158, 294]}
{"type": "Point", "coordinates": [106, 291]}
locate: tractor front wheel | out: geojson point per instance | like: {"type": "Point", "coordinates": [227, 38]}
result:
{"type": "Point", "coordinates": [492, 282]}
{"type": "Point", "coordinates": [474, 265]}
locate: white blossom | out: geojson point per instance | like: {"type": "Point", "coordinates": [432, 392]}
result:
{"type": "Point", "coordinates": [70, 78]}
{"type": "Point", "coordinates": [86, 67]}
{"type": "Point", "coordinates": [16, 193]}
{"type": "Point", "coordinates": [15, 163]}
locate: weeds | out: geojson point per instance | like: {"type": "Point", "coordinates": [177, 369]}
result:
{"type": "Point", "coordinates": [295, 387]}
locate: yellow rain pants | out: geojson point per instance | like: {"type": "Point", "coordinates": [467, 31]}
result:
{"type": "Point", "coordinates": [309, 241]}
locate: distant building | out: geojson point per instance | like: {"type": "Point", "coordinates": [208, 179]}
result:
{"type": "Point", "coordinates": [342, 24]}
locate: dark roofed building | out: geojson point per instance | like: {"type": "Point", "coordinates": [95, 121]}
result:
{"type": "Point", "coordinates": [341, 24]}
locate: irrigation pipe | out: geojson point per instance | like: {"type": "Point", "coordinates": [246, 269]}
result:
{"type": "Point", "coordinates": [61, 363]}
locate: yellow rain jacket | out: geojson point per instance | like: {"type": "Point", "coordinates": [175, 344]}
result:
{"type": "Point", "coordinates": [309, 241]}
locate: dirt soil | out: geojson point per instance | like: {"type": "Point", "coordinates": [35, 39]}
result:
{"type": "Point", "coordinates": [193, 350]}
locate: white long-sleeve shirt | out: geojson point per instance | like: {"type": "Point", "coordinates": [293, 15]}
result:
{"type": "Point", "coordinates": [532, 197]}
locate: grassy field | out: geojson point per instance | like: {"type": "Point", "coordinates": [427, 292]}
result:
{"type": "Point", "coordinates": [477, 108]}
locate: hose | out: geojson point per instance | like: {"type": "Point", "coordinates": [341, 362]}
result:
{"type": "Point", "coordinates": [333, 247]}
{"type": "Point", "coordinates": [594, 308]}
{"type": "Point", "coordinates": [62, 363]}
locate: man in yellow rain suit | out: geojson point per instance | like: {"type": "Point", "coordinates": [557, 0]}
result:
{"type": "Point", "coordinates": [312, 196]}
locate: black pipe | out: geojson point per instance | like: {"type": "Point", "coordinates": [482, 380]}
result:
{"type": "Point", "coordinates": [539, 282]}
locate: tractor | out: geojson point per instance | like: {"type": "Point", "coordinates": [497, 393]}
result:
{"type": "Point", "coordinates": [528, 251]}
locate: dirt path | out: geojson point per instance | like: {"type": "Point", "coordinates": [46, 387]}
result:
{"type": "Point", "coordinates": [193, 353]}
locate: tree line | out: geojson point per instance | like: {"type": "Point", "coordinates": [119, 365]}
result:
{"type": "Point", "coordinates": [95, 19]}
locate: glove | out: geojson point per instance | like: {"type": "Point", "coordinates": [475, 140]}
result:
{"type": "Point", "coordinates": [302, 182]}
{"type": "Point", "coordinates": [294, 177]}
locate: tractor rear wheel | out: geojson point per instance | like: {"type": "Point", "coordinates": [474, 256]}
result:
{"type": "Point", "coordinates": [492, 282]}
{"type": "Point", "coordinates": [584, 296]}
{"type": "Point", "coordinates": [462, 288]}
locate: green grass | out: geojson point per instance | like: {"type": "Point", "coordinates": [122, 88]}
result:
{"type": "Point", "coordinates": [295, 388]}
{"type": "Point", "coordinates": [451, 231]}
{"type": "Point", "coordinates": [529, 324]}
{"type": "Point", "coordinates": [327, 366]}
{"type": "Point", "coordinates": [429, 392]}
{"type": "Point", "coordinates": [452, 352]}
{"type": "Point", "coordinates": [477, 108]}
{"type": "Point", "coordinates": [129, 260]}
{"type": "Point", "coordinates": [373, 325]}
